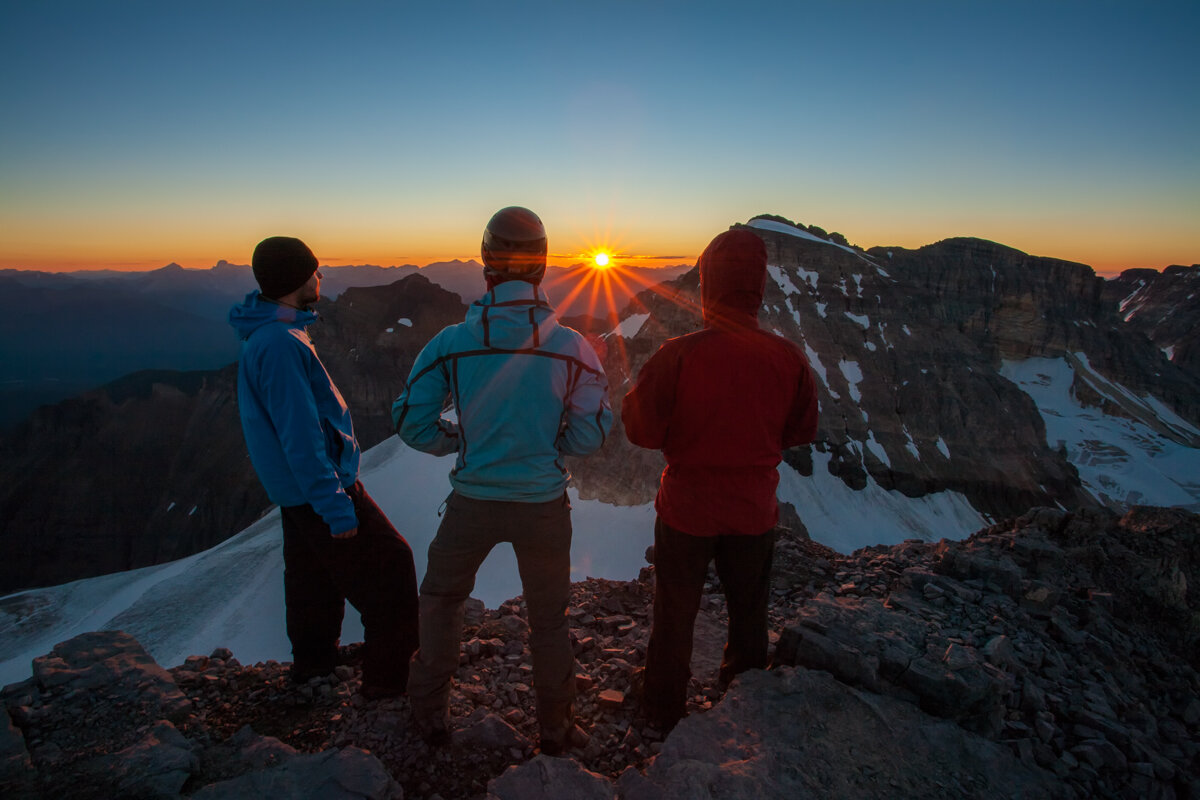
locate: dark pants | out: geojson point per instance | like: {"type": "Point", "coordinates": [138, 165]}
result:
{"type": "Point", "coordinates": [540, 534]}
{"type": "Point", "coordinates": [373, 570]}
{"type": "Point", "coordinates": [680, 567]}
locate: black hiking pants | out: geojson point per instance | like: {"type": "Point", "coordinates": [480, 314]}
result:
{"type": "Point", "coordinates": [680, 567]}
{"type": "Point", "coordinates": [373, 570]}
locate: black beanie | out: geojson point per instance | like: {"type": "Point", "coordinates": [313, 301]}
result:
{"type": "Point", "coordinates": [281, 265]}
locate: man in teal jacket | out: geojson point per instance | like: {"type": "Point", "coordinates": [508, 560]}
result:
{"type": "Point", "coordinates": [337, 543]}
{"type": "Point", "coordinates": [526, 392]}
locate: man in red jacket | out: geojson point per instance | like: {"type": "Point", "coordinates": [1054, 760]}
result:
{"type": "Point", "coordinates": [722, 404]}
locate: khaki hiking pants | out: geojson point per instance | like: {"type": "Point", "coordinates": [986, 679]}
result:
{"type": "Point", "coordinates": [540, 534]}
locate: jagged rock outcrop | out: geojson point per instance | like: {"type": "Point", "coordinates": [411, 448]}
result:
{"type": "Point", "coordinates": [115, 732]}
{"type": "Point", "coordinates": [1012, 305]}
{"type": "Point", "coordinates": [1165, 307]}
{"type": "Point", "coordinates": [800, 733]}
{"type": "Point", "coordinates": [1052, 655]}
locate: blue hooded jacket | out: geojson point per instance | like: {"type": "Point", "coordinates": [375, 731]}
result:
{"type": "Point", "coordinates": [527, 391]}
{"type": "Point", "coordinates": [296, 424]}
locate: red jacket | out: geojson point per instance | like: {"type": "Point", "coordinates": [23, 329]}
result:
{"type": "Point", "coordinates": [723, 403]}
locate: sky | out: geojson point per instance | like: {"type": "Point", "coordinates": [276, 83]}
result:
{"type": "Point", "coordinates": [136, 134]}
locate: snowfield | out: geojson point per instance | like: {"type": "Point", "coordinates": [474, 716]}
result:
{"type": "Point", "coordinates": [1142, 460]}
{"type": "Point", "coordinates": [232, 595]}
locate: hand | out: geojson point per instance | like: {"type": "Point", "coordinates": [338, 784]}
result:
{"type": "Point", "coordinates": [350, 534]}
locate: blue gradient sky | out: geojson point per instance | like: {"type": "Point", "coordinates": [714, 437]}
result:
{"type": "Point", "coordinates": [140, 133]}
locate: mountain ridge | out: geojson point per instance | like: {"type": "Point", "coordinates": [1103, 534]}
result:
{"type": "Point", "coordinates": [910, 347]}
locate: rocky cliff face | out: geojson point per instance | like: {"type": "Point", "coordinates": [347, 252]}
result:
{"type": "Point", "coordinates": [1053, 655]}
{"type": "Point", "coordinates": [153, 467]}
{"type": "Point", "coordinates": [140, 472]}
{"type": "Point", "coordinates": [369, 339]}
{"type": "Point", "coordinates": [908, 347]}
{"type": "Point", "coordinates": [1165, 307]}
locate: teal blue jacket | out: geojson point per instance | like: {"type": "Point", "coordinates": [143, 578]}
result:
{"type": "Point", "coordinates": [525, 391]}
{"type": "Point", "coordinates": [296, 424]}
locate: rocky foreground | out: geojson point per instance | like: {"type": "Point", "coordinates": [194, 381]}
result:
{"type": "Point", "coordinates": [1054, 655]}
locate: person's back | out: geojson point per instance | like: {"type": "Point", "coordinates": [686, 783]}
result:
{"type": "Point", "coordinates": [722, 404]}
{"type": "Point", "coordinates": [519, 382]}
{"type": "Point", "coordinates": [526, 392]}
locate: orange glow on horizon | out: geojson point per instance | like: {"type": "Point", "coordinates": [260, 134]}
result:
{"type": "Point", "coordinates": [597, 287]}
{"type": "Point", "coordinates": [35, 251]}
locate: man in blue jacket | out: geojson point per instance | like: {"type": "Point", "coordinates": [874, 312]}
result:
{"type": "Point", "coordinates": [337, 543]}
{"type": "Point", "coordinates": [526, 392]}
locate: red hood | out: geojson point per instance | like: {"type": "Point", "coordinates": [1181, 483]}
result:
{"type": "Point", "coordinates": [733, 278]}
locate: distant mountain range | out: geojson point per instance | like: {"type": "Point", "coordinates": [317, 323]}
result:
{"type": "Point", "coordinates": [65, 333]}
{"type": "Point", "coordinates": [961, 381]}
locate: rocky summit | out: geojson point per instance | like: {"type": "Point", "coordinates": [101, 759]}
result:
{"type": "Point", "coordinates": [1052, 655]}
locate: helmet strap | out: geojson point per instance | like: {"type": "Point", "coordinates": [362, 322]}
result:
{"type": "Point", "coordinates": [495, 277]}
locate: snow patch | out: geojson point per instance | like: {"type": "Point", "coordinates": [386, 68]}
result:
{"type": "Point", "coordinates": [814, 361]}
{"type": "Point", "coordinates": [780, 227]}
{"type": "Point", "coordinates": [853, 374]}
{"type": "Point", "coordinates": [941, 445]}
{"type": "Point", "coordinates": [1141, 403]}
{"type": "Point", "coordinates": [882, 328]}
{"type": "Point", "coordinates": [782, 280]}
{"type": "Point", "coordinates": [795, 314]}
{"type": "Point", "coordinates": [877, 449]}
{"type": "Point", "coordinates": [862, 320]}
{"type": "Point", "coordinates": [1121, 461]}
{"type": "Point", "coordinates": [1132, 296]}
{"type": "Point", "coordinates": [846, 520]}
{"type": "Point", "coordinates": [630, 326]}
{"type": "Point", "coordinates": [910, 445]}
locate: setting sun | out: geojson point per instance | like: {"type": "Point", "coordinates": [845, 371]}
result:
{"type": "Point", "coordinates": [601, 259]}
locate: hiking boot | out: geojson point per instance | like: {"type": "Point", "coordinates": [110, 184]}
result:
{"type": "Point", "coordinates": [303, 673]}
{"type": "Point", "coordinates": [655, 716]}
{"type": "Point", "coordinates": [433, 732]}
{"type": "Point", "coordinates": [575, 738]}
{"type": "Point", "coordinates": [432, 722]}
{"type": "Point", "coordinates": [383, 691]}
